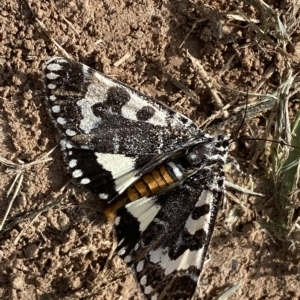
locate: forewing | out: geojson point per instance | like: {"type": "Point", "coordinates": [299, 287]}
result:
{"type": "Point", "coordinates": [95, 112]}
{"type": "Point", "coordinates": [108, 130]}
{"type": "Point", "coordinates": [105, 174]}
{"type": "Point", "coordinates": [164, 238]}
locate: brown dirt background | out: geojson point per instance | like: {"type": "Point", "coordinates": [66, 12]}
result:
{"type": "Point", "coordinates": [64, 252]}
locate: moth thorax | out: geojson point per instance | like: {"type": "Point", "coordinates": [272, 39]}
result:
{"type": "Point", "coordinates": [197, 154]}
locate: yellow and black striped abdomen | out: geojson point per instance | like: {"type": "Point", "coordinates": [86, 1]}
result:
{"type": "Point", "coordinates": [158, 179]}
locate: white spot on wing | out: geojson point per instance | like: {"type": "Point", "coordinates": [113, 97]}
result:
{"type": "Point", "coordinates": [135, 104]}
{"type": "Point", "coordinates": [143, 280]}
{"type": "Point", "coordinates": [73, 163]}
{"type": "Point", "coordinates": [70, 132]}
{"type": "Point", "coordinates": [52, 98]}
{"type": "Point", "coordinates": [121, 252]}
{"type": "Point", "coordinates": [148, 289]}
{"type": "Point", "coordinates": [52, 76]}
{"type": "Point", "coordinates": [117, 164]}
{"type": "Point", "coordinates": [144, 210]}
{"type": "Point", "coordinates": [61, 121]}
{"type": "Point", "coordinates": [51, 86]}
{"type": "Point", "coordinates": [117, 221]}
{"type": "Point", "coordinates": [127, 258]}
{"type": "Point", "coordinates": [68, 145]}
{"type": "Point", "coordinates": [60, 59]}
{"type": "Point", "coordinates": [103, 196]}
{"type": "Point", "coordinates": [65, 145]}
{"type": "Point", "coordinates": [56, 109]}
{"type": "Point", "coordinates": [77, 173]}
{"type": "Point", "coordinates": [140, 266]}
{"type": "Point", "coordinates": [85, 181]}
{"type": "Point", "coordinates": [54, 67]}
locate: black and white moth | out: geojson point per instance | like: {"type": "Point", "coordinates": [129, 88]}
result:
{"type": "Point", "coordinates": [121, 144]}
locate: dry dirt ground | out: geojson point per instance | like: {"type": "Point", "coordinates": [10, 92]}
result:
{"type": "Point", "coordinates": [55, 243]}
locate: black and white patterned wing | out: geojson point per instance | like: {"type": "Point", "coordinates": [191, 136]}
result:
{"type": "Point", "coordinates": [164, 238]}
{"type": "Point", "coordinates": [110, 133]}
{"type": "Point", "coordinates": [112, 136]}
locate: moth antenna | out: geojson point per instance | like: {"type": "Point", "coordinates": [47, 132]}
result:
{"type": "Point", "coordinates": [254, 139]}
{"type": "Point", "coordinates": [243, 120]}
{"type": "Point", "coordinates": [266, 140]}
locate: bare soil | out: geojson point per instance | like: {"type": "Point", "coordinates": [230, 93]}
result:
{"type": "Point", "coordinates": [65, 250]}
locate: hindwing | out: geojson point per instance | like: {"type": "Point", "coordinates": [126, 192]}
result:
{"type": "Point", "coordinates": [164, 238]}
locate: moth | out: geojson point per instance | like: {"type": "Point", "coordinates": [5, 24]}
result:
{"type": "Point", "coordinates": [161, 176]}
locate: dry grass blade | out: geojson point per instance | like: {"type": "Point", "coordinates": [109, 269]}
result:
{"type": "Point", "coordinates": [285, 92]}
{"type": "Point", "coordinates": [285, 163]}
{"type": "Point", "coordinates": [191, 94]}
{"type": "Point", "coordinates": [283, 31]}
{"type": "Point", "coordinates": [290, 170]}
{"type": "Point", "coordinates": [122, 59]}
{"type": "Point", "coordinates": [294, 233]}
{"type": "Point", "coordinates": [292, 19]}
{"type": "Point", "coordinates": [42, 25]}
{"type": "Point", "coordinates": [193, 27]}
{"type": "Point", "coordinates": [229, 292]}
{"type": "Point", "coordinates": [18, 170]}
{"type": "Point", "coordinates": [18, 182]}
{"type": "Point", "coordinates": [32, 215]}
{"type": "Point", "coordinates": [242, 190]}
{"type": "Point", "coordinates": [271, 27]}
{"type": "Point", "coordinates": [209, 82]}
{"type": "Point", "coordinates": [279, 98]}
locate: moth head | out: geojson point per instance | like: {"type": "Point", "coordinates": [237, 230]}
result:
{"type": "Point", "coordinates": [207, 151]}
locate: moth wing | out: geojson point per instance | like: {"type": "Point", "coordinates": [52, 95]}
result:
{"type": "Point", "coordinates": [92, 111]}
{"type": "Point", "coordinates": [164, 238]}
{"type": "Point", "coordinates": [105, 174]}
{"type": "Point", "coordinates": [108, 130]}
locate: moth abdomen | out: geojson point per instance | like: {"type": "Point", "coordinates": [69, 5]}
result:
{"type": "Point", "coordinates": [158, 179]}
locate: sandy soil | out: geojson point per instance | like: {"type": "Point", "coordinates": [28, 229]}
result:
{"type": "Point", "coordinates": [64, 251]}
